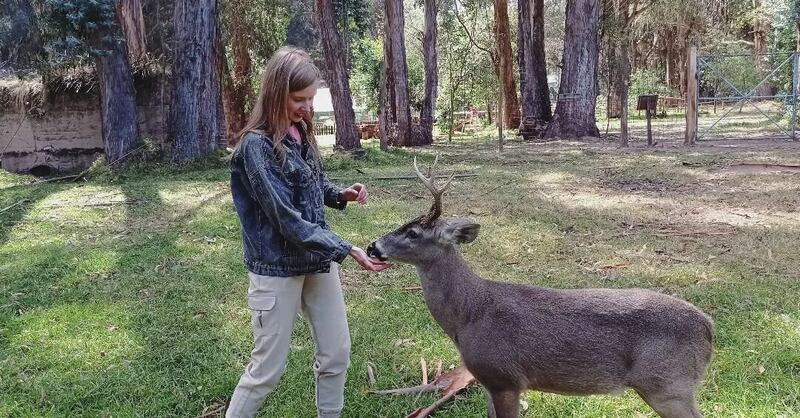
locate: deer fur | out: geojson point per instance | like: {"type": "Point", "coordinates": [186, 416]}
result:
{"type": "Point", "coordinates": [514, 337]}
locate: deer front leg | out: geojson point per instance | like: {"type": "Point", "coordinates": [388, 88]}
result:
{"type": "Point", "coordinates": [490, 405]}
{"type": "Point", "coordinates": [505, 404]}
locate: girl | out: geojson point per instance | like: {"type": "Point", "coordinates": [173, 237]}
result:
{"type": "Point", "coordinates": [279, 190]}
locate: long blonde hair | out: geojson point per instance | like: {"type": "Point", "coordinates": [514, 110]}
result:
{"type": "Point", "coordinates": [290, 69]}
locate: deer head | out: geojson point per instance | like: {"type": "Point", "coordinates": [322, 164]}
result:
{"type": "Point", "coordinates": [425, 238]}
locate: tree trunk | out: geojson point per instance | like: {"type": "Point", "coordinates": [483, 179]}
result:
{"type": "Point", "coordinates": [238, 92]}
{"type": "Point", "coordinates": [194, 126]}
{"type": "Point", "coordinates": [535, 92]}
{"type": "Point", "coordinates": [347, 138]}
{"type": "Point", "coordinates": [575, 110]}
{"type": "Point", "coordinates": [621, 84]}
{"type": "Point", "coordinates": [506, 68]}
{"type": "Point", "coordinates": [120, 125]}
{"type": "Point", "coordinates": [132, 22]}
{"type": "Point", "coordinates": [430, 51]}
{"type": "Point", "coordinates": [761, 28]}
{"type": "Point", "coordinates": [398, 112]}
{"type": "Point", "coordinates": [619, 65]}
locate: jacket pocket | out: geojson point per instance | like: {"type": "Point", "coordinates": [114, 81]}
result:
{"type": "Point", "coordinates": [264, 320]}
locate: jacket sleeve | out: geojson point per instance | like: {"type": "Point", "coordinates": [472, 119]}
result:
{"type": "Point", "coordinates": [276, 204]}
{"type": "Point", "coordinates": [331, 193]}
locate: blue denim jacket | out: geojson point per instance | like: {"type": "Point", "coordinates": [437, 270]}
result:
{"type": "Point", "coordinates": [280, 208]}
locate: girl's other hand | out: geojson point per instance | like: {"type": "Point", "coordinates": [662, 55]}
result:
{"type": "Point", "coordinates": [355, 193]}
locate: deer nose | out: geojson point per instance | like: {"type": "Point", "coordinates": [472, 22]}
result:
{"type": "Point", "coordinates": [372, 251]}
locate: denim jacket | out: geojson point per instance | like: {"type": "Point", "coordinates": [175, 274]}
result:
{"type": "Point", "coordinates": [280, 208]}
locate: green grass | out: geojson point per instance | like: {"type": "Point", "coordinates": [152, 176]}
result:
{"type": "Point", "coordinates": [125, 295]}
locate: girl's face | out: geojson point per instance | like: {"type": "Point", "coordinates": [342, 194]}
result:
{"type": "Point", "coordinates": [300, 102]}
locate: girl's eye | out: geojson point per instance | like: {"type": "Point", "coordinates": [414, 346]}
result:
{"type": "Point", "coordinates": [412, 233]}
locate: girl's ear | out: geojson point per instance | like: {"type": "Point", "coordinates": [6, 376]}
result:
{"type": "Point", "coordinates": [460, 231]}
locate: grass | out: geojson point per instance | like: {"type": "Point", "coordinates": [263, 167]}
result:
{"type": "Point", "coordinates": [125, 295]}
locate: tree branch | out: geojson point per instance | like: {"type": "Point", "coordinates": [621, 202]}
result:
{"type": "Point", "coordinates": [469, 35]}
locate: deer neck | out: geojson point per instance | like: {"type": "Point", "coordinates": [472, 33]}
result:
{"type": "Point", "coordinates": [448, 284]}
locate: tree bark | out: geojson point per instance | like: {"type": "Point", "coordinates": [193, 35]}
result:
{"type": "Point", "coordinates": [577, 94]}
{"type": "Point", "coordinates": [131, 20]}
{"type": "Point", "coordinates": [347, 138]}
{"type": "Point", "coordinates": [398, 113]}
{"type": "Point", "coordinates": [506, 68]}
{"type": "Point", "coordinates": [119, 117]}
{"type": "Point", "coordinates": [194, 126]}
{"type": "Point", "coordinates": [761, 28]}
{"type": "Point", "coordinates": [535, 92]}
{"type": "Point", "coordinates": [430, 52]}
{"type": "Point", "coordinates": [619, 65]}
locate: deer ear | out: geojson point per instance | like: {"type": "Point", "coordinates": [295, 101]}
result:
{"type": "Point", "coordinates": [460, 231]}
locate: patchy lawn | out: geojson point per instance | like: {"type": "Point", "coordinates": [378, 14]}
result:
{"type": "Point", "coordinates": [125, 295]}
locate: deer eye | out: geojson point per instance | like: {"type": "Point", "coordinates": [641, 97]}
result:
{"type": "Point", "coordinates": [412, 233]}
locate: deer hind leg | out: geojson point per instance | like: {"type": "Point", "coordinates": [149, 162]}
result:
{"type": "Point", "coordinates": [504, 404]}
{"type": "Point", "coordinates": [673, 405]}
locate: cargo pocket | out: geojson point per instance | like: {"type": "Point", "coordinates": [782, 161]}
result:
{"type": "Point", "coordinates": [263, 316]}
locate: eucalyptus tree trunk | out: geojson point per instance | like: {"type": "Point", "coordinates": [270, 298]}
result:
{"type": "Point", "coordinates": [397, 113]}
{"type": "Point", "coordinates": [132, 21]}
{"type": "Point", "coordinates": [577, 94]}
{"type": "Point", "coordinates": [237, 89]}
{"type": "Point", "coordinates": [761, 27]}
{"type": "Point", "coordinates": [430, 52]}
{"type": "Point", "coordinates": [118, 113]}
{"type": "Point", "coordinates": [194, 125]}
{"type": "Point", "coordinates": [617, 19]}
{"type": "Point", "coordinates": [506, 68]}
{"type": "Point", "coordinates": [347, 138]}
{"type": "Point", "coordinates": [535, 92]}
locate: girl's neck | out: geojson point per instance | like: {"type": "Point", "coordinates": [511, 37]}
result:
{"type": "Point", "coordinates": [294, 132]}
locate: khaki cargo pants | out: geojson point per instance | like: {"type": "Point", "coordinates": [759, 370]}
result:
{"type": "Point", "coordinates": [274, 302]}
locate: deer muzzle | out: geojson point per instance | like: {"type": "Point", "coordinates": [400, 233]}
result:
{"type": "Point", "coordinates": [373, 251]}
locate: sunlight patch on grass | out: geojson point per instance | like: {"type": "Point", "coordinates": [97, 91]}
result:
{"type": "Point", "coordinates": [74, 338]}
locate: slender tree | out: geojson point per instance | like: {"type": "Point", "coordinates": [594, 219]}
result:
{"type": "Point", "coordinates": [347, 137]}
{"type": "Point", "coordinates": [194, 126]}
{"type": "Point", "coordinates": [430, 52]}
{"type": "Point", "coordinates": [577, 95]}
{"type": "Point", "coordinates": [506, 65]}
{"type": "Point", "coordinates": [535, 92]}
{"type": "Point", "coordinates": [396, 112]}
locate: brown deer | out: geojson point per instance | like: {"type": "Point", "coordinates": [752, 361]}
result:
{"type": "Point", "coordinates": [514, 337]}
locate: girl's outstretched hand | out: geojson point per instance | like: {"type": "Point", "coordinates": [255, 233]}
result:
{"type": "Point", "coordinates": [355, 193]}
{"type": "Point", "coordinates": [370, 264]}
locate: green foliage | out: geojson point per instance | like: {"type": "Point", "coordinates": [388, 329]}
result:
{"type": "Point", "coordinates": [77, 30]}
{"type": "Point", "coordinates": [353, 17]}
{"type": "Point", "coordinates": [365, 78]}
{"type": "Point", "coordinates": [648, 82]}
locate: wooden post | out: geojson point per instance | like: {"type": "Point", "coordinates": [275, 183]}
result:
{"type": "Point", "coordinates": [691, 98]}
{"type": "Point", "coordinates": [648, 114]}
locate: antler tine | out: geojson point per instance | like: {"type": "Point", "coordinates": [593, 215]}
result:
{"type": "Point", "coordinates": [427, 181]}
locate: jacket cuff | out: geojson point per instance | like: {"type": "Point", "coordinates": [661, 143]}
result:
{"type": "Point", "coordinates": [333, 199]}
{"type": "Point", "coordinates": [341, 252]}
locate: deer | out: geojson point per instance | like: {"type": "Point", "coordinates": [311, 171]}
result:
{"type": "Point", "coordinates": [518, 337]}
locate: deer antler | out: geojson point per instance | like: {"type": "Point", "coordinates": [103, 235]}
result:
{"type": "Point", "coordinates": [436, 208]}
